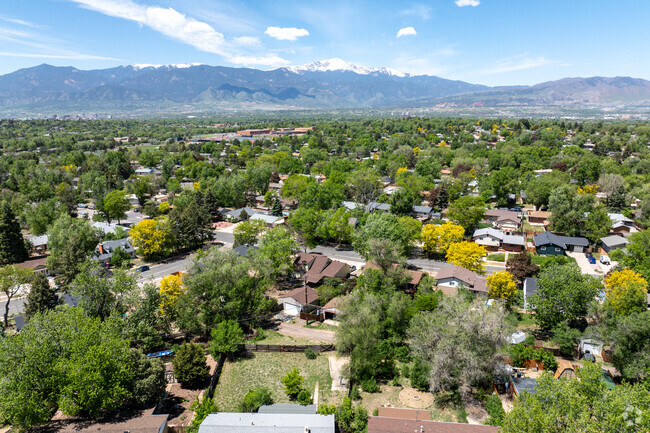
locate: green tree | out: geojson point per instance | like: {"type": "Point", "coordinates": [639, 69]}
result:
{"type": "Point", "coordinates": [631, 346]}
{"type": "Point", "coordinates": [100, 295]}
{"type": "Point", "coordinates": [637, 254]}
{"type": "Point", "coordinates": [221, 286]}
{"type": "Point", "coordinates": [563, 295]}
{"type": "Point", "coordinates": [41, 296]}
{"type": "Point", "coordinates": [351, 419]}
{"type": "Point", "coordinates": [227, 339]}
{"type": "Point", "coordinates": [145, 322]}
{"type": "Point", "coordinates": [305, 222]}
{"type": "Point", "coordinates": [467, 211]}
{"type": "Point", "coordinates": [597, 224]}
{"type": "Point", "coordinates": [276, 210]}
{"type": "Point", "coordinates": [247, 232]}
{"type": "Point", "coordinates": [120, 258]}
{"type": "Point", "coordinates": [40, 216]}
{"type": "Point", "coordinates": [337, 226]}
{"type": "Point", "coordinates": [190, 367]}
{"type": "Point", "coordinates": [402, 201]}
{"type": "Point", "coordinates": [459, 343]}
{"type": "Point", "coordinates": [142, 189]}
{"type": "Point", "coordinates": [381, 225]}
{"type": "Point", "coordinates": [71, 241]}
{"type": "Point", "coordinates": [12, 244]}
{"type": "Point", "coordinates": [191, 226]}
{"type": "Point", "coordinates": [569, 209]}
{"type": "Point", "coordinates": [12, 281]}
{"type": "Point", "coordinates": [579, 405]}
{"type": "Point", "coordinates": [277, 249]}
{"type": "Point", "coordinates": [292, 382]}
{"type": "Point", "coordinates": [115, 205]}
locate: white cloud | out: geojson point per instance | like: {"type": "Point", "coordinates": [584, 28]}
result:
{"type": "Point", "coordinates": [17, 21]}
{"type": "Point", "coordinates": [418, 10]}
{"type": "Point", "coordinates": [461, 3]}
{"type": "Point", "coordinates": [267, 60]}
{"type": "Point", "coordinates": [406, 31]}
{"type": "Point", "coordinates": [286, 33]}
{"type": "Point", "coordinates": [250, 41]}
{"type": "Point", "coordinates": [167, 21]}
{"type": "Point", "coordinates": [519, 63]}
{"type": "Point", "coordinates": [56, 56]}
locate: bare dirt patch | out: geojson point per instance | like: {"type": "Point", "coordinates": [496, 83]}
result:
{"type": "Point", "coordinates": [411, 397]}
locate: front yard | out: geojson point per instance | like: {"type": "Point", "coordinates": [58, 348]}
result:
{"type": "Point", "coordinates": [262, 369]}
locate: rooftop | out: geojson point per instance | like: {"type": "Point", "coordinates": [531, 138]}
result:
{"type": "Point", "coordinates": [266, 423]}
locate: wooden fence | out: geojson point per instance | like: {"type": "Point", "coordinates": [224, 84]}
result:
{"type": "Point", "coordinates": [288, 348]}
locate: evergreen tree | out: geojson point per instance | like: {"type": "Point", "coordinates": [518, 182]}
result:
{"type": "Point", "coordinates": [277, 208]}
{"type": "Point", "coordinates": [41, 296]}
{"type": "Point", "coordinates": [12, 244]}
{"type": "Point", "coordinates": [616, 200]}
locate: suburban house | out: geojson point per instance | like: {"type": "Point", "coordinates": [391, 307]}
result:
{"type": "Point", "coordinates": [39, 243]}
{"type": "Point", "coordinates": [452, 277]}
{"type": "Point", "coordinates": [269, 220]}
{"type": "Point", "coordinates": [37, 265]}
{"type": "Point", "coordinates": [621, 224]}
{"type": "Point", "coordinates": [422, 212]}
{"type": "Point", "coordinates": [267, 423]}
{"type": "Point", "coordinates": [106, 228]}
{"type": "Point", "coordinates": [611, 243]}
{"type": "Point", "coordinates": [504, 219]}
{"type": "Point", "coordinates": [244, 250]}
{"type": "Point", "coordinates": [538, 217]}
{"type": "Point", "coordinates": [104, 250]}
{"type": "Point", "coordinates": [375, 205]}
{"type": "Point", "coordinates": [236, 214]}
{"type": "Point", "coordinates": [549, 244]}
{"type": "Point", "coordinates": [313, 268]}
{"type": "Point", "coordinates": [494, 239]}
{"type": "Point", "coordinates": [144, 421]}
{"type": "Point", "coordinates": [393, 420]}
{"type": "Point", "coordinates": [350, 205]}
{"type": "Point", "coordinates": [331, 308]}
{"type": "Point", "coordinates": [275, 186]}
{"type": "Point", "coordinates": [415, 277]}
{"type": "Point", "coordinates": [297, 300]}
{"type": "Point", "coordinates": [530, 287]}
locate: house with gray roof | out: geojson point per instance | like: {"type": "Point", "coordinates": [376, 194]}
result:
{"type": "Point", "coordinates": [375, 205]}
{"type": "Point", "coordinates": [269, 220]}
{"type": "Point", "coordinates": [105, 250]}
{"type": "Point", "coordinates": [422, 212]}
{"type": "Point", "coordinates": [614, 242]}
{"type": "Point", "coordinates": [267, 423]}
{"type": "Point", "coordinates": [236, 214]}
{"type": "Point", "coordinates": [494, 239]}
{"type": "Point", "coordinates": [549, 244]}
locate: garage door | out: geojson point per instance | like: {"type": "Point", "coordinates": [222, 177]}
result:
{"type": "Point", "coordinates": [577, 249]}
{"type": "Point", "coordinates": [291, 310]}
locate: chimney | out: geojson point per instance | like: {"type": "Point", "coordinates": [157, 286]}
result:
{"type": "Point", "coordinates": [101, 249]}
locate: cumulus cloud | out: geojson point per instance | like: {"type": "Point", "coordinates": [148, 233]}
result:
{"type": "Point", "coordinates": [461, 3]}
{"type": "Point", "coordinates": [406, 31]}
{"type": "Point", "coordinates": [286, 33]}
{"type": "Point", "coordinates": [180, 27]}
{"type": "Point", "coordinates": [418, 10]}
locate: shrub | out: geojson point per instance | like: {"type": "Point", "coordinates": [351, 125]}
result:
{"type": "Point", "coordinates": [227, 339]}
{"type": "Point", "coordinates": [419, 376]}
{"type": "Point", "coordinates": [566, 338]}
{"type": "Point", "coordinates": [370, 385]}
{"type": "Point", "coordinates": [403, 354]}
{"type": "Point", "coordinates": [375, 412]}
{"type": "Point", "coordinates": [520, 353]}
{"type": "Point", "coordinates": [292, 382]}
{"type": "Point", "coordinates": [202, 408]}
{"type": "Point", "coordinates": [310, 354]}
{"type": "Point", "coordinates": [190, 367]}
{"type": "Point", "coordinates": [494, 409]}
{"type": "Point", "coordinates": [355, 394]}
{"type": "Point", "coordinates": [396, 381]}
{"type": "Point", "coordinates": [326, 409]}
{"type": "Point", "coordinates": [304, 397]}
{"type": "Point", "coordinates": [254, 399]}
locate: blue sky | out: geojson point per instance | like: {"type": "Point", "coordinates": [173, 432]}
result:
{"type": "Point", "coordinates": [494, 42]}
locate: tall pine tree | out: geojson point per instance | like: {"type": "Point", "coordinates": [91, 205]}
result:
{"type": "Point", "coordinates": [12, 244]}
{"type": "Point", "coordinates": [276, 210]}
{"type": "Point", "coordinates": [41, 297]}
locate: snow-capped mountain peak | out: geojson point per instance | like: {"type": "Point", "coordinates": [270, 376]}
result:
{"type": "Point", "coordinates": [336, 64]}
{"type": "Point", "coordinates": [138, 66]}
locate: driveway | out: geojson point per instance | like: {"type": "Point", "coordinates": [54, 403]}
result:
{"type": "Point", "coordinates": [300, 331]}
{"type": "Point", "coordinates": [584, 265]}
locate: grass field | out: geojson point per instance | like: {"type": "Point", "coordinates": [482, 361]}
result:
{"type": "Point", "coordinates": [497, 257]}
{"type": "Point", "coordinates": [266, 370]}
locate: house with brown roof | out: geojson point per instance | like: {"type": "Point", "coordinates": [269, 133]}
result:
{"type": "Point", "coordinates": [298, 300]}
{"type": "Point", "coordinates": [538, 217]}
{"type": "Point", "coordinates": [503, 219]}
{"type": "Point", "coordinates": [36, 265]}
{"type": "Point", "coordinates": [135, 421]}
{"type": "Point", "coordinates": [314, 268]}
{"type": "Point", "coordinates": [331, 309]}
{"type": "Point", "coordinates": [382, 424]}
{"type": "Point", "coordinates": [452, 277]}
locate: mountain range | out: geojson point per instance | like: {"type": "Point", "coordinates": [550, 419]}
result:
{"type": "Point", "coordinates": [326, 84]}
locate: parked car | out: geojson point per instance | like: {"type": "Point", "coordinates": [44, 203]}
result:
{"type": "Point", "coordinates": [142, 268]}
{"type": "Point", "coordinates": [588, 254]}
{"type": "Point", "coordinates": [605, 260]}
{"type": "Point", "coordinates": [592, 260]}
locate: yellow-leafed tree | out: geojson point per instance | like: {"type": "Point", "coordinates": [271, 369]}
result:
{"type": "Point", "coordinates": [440, 238]}
{"type": "Point", "coordinates": [626, 291]}
{"type": "Point", "coordinates": [171, 287]}
{"type": "Point", "coordinates": [467, 255]}
{"type": "Point", "coordinates": [152, 237]}
{"type": "Point", "coordinates": [502, 285]}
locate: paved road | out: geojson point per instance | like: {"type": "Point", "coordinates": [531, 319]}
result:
{"type": "Point", "coordinates": [225, 237]}
{"type": "Point", "coordinates": [16, 306]}
{"type": "Point", "coordinates": [156, 272]}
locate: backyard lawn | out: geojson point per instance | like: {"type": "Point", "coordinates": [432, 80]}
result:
{"type": "Point", "coordinates": [262, 369]}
